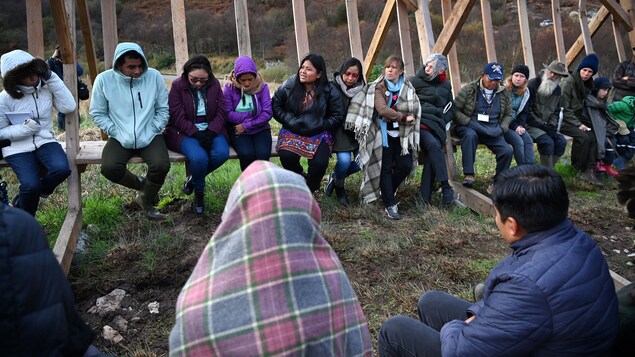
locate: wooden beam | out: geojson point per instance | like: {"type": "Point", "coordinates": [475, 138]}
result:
{"type": "Point", "coordinates": [594, 26]}
{"type": "Point", "coordinates": [354, 35]}
{"type": "Point", "coordinates": [242, 28]}
{"type": "Point", "coordinates": [380, 35]}
{"type": "Point", "coordinates": [453, 26]}
{"type": "Point", "coordinates": [179, 31]}
{"type": "Point", "coordinates": [630, 10]}
{"type": "Point", "coordinates": [403, 26]}
{"type": "Point", "coordinates": [453, 58]}
{"type": "Point", "coordinates": [87, 35]}
{"type": "Point", "coordinates": [411, 4]}
{"type": "Point", "coordinates": [475, 200]}
{"type": "Point", "coordinates": [58, 10]}
{"type": "Point", "coordinates": [619, 43]}
{"type": "Point", "coordinates": [618, 280]}
{"type": "Point", "coordinates": [109, 30]}
{"type": "Point", "coordinates": [488, 30]}
{"type": "Point", "coordinates": [301, 35]}
{"type": "Point", "coordinates": [424, 28]}
{"type": "Point", "coordinates": [619, 14]}
{"type": "Point", "coordinates": [67, 238]}
{"type": "Point", "coordinates": [584, 26]}
{"type": "Point", "coordinates": [557, 31]}
{"type": "Point", "coordinates": [525, 37]}
{"type": "Point", "coordinates": [34, 31]}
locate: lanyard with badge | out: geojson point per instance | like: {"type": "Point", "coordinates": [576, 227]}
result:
{"type": "Point", "coordinates": [485, 115]}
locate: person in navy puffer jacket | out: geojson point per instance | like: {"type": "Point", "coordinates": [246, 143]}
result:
{"type": "Point", "coordinates": [553, 296]}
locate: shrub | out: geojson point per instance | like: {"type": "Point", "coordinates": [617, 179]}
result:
{"type": "Point", "coordinates": [277, 73]}
{"type": "Point", "coordinates": [162, 60]}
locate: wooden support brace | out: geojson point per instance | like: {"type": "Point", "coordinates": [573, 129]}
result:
{"type": "Point", "coordinates": [594, 26]}
{"type": "Point", "coordinates": [453, 26]}
{"type": "Point", "coordinates": [380, 35]}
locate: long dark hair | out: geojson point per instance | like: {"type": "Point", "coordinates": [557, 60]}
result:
{"type": "Point", "coordinates": [298, 91]}
{"type": "Point", "coordinates": [198, 62]}
{"type": "Point", "coordinates": [352, 62]}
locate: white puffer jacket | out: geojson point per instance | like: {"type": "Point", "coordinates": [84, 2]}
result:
{"type": "Point", "coordinates": [38, 100]}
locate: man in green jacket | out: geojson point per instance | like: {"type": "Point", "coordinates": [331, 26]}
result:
{"type": "Point", "coordinates": [482, 116]}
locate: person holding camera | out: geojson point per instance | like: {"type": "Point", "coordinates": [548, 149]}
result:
{"type": "Point", "coordinates": [56, 65]}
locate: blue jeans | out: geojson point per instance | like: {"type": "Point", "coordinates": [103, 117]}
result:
{"type": "Point", "coordinates": [251, 147]}
{"type": "Point", "coordinates": [27, 165]}
{"type": "Point", "coordinates": [201, 162]}
{"type": "Point", "coordinates": [550, 146]}
{"type": "Point", "coordinates": [346, 164]}
{"type": "Point", "coordinates": [523, 147]}
{"type": "Point", "coordinates": [404, 336]}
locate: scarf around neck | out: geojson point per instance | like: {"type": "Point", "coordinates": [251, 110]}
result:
{"type": "Point", "coordinates": [392, 88]}
{"type": "Point", "coordinates": [349, 92]}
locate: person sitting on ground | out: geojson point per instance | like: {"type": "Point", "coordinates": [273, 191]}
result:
{"type": "Point", "coordinates": [624, 79]}
{"type": "Point", "coordinates": [596, 116]}
{"type": "Point", "coordinates": [248, 112]}
{"type": "Point", "coordinates": [575, 88]}
{"type": "Point", "coordinates": [268, 283]}
{"type": "Point", "coordinates": [130, 104]}
{"type": "Point", "coordinates": [544, 117]}
{"type": "Point", "coordinates": [536, 301]}
{"type": "Point", "coordinates": [196, 129]}
{"type": "Point", "coordinates": [37, 312]}
{"type": "Point", "coordinates": [349, 80]}
{"type": "Point", "coordinates": [437, 110]}
{"type": "Point", "coordinates": [310, 110]}
{"type": "Point", "coordinates": [56, 65]}
{"type": "Point", "coordinates": [32, 88]}
{"type": "Point", "coordinates": [624, 112]}
{"type": "Point", "coordinates": [385, 117]}
{"type": "Point", "coordinates": [517, 135]}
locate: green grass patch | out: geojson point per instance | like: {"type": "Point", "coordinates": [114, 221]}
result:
{"type": "Point", "coordinates": [103, 212]}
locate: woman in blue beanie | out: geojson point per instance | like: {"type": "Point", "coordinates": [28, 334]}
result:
{"type": "Point", "coordinates": [575, 88]}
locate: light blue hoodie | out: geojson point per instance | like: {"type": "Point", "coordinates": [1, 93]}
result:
{"type": "Point", "coordinates": [131, 110]}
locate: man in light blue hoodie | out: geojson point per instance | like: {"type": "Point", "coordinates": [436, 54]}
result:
{"type": "Point", "coordinates": [130, 104]}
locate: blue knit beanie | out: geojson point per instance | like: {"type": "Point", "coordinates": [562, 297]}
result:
{"type": "Point", "coordinates": [602, 83]}
{"type": "Point", "coordinates": [590, 61]}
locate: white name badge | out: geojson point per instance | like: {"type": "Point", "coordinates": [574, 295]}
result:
{"type": "Point", "coordinates": [483, 117]}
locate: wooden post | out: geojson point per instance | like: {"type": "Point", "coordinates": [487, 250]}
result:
{"type": "Point", "coordinates": [557, 31]}
{"type": "Point", "coordinates": [179, 31]}
{"type": "Point", "coordinates": [526, 37]}
{"type": "Point", "coordinates": [404, 38]}
{"type": "Point", "coordinates": [380, 35]}
{"type": "Point", "coordinates": [455, 77]}
{"type": "Point", "coordinates": [619, 43]}
{"type": "Point", "coordinates": [618, 13]}
{"type": "Point", "coordinates": [301, 35]}
{"type": "Point", "coordinates": [354, 36]}
{"type": "Point", "coordinates": [594, 26]}
{"type": "Point", "coordinates": [109, 30]}
{"type": "Point", "coordinates": [424, 28]}
{"type": "Point", "coordinates": [584, 26]}
{"type": "Point", "coordinates": [34, 31]}
{"type": "Point", "coordinates": [87, 35]}
{"type": "Point", "coordinates": [242, 28]}
{"type": "Point", "coordinates": [488, 30]}
{"type": "Point", "coordinates": [627, 5]}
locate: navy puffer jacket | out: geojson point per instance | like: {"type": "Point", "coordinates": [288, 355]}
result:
{"type": "Point", "coordinates": [553, 296]}
{"type": "Point", "coordinates": [37, 314]}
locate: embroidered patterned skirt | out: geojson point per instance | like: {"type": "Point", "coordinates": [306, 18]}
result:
{"type": "Point", "coordinates": [305, 146]}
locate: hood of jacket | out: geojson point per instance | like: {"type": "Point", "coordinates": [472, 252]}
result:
{"type": "Point", "coordinates": [16, 65]}
{"type": "Point", "coordinates": [244, 64]}
{"type": "Point", "coordinates": [124, 47]}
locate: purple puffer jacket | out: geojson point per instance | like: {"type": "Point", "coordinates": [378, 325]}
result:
{"type": "Point", "coordinates": [253, 122]}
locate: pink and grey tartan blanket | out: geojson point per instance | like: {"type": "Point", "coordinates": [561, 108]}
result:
{"type": "Point", "coordinates": [267, 283]}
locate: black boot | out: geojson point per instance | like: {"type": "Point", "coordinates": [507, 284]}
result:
{"type": "Point", "coordinates": [199, 202]}
{"type": "Point", "coordinates": [144, 200]}
{"type": "Point", "coordinates": [447, 194]}
{"type": "Point", "coordinates": [340, 191]}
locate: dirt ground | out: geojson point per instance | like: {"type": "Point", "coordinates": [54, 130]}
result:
{"type": "Point", "coordinates": [389, 266]}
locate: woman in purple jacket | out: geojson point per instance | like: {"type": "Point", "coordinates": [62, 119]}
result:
{"type": "Point", "coordinates": [196, 127]}
{"type": "Point", "coordinates": [248, 112]}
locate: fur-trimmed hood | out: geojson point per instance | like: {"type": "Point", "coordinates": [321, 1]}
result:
{"type": "Point", "coordinates": [16, 65]}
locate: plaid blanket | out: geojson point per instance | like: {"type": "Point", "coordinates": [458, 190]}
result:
{"type": "Point", "coordinates": [361, 119]}
{"type": "Point", "coordinates": [267, 283]}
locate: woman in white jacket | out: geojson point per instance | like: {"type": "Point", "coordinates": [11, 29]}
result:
{"type": "Point", "coordinates": [31, 87]}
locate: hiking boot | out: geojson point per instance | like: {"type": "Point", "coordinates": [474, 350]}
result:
{"type": "Point", "coordinates": [392, 212]}
{"type": "Point", "coordinates": [468, 181]}
{"type": "Point", "coordinates": [589, 176]}
{"type": "Point", "coordinates": [199, 202]}
{"type": "Point", "coordinates": [188, 186]}
{"type": "Point", "coordinates": [330, 185]}
{"type": "Point", "coordinates": [340, 191]}
{"type": "Point", "coordinates": [447, 196]}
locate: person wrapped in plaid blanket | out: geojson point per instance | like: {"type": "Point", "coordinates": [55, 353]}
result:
{"type": "Point", "coordinates": [268, 283]}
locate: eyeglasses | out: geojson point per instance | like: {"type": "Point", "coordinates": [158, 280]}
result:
{"type": "Point", "coordinates": [352, 75]}
{"type": "Point", "coordinates": [198, 80]}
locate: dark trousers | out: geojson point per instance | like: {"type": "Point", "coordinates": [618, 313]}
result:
{"type": "Point", "coordinates": [394, 170]}
{"type": "Point", "coordinates": [251, 147]}
{"type": "Point", "coordinates": [317, 165]}
{"type": "Point", "coordinates": [550, 146]}
{"type": "Point", "coordinates": [404, 336]}
{"type": "Point", "coordinates": [626, 145]}
{"type": "Point", "coordinates": [115, 159]}
{"type": "Point", "coordinates": [433, 165]}
{"type": "Point", "coordinates": [469, 142]}
{"type": "Point", "coordinates": [584, 148]}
